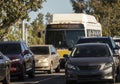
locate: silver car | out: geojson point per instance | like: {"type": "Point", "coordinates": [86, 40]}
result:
{"type": "Point", "coordinates": [4, 69]}
{"type": "Point", "coordinates": [91, 62]}
{"type": "Point", "coordinates": [46, 58]}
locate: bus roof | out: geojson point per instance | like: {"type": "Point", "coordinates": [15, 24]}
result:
{"type": "Point", "coordinates": [73, 18]}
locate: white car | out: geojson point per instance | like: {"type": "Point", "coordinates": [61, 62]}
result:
{"type": "Point", "coordinates": [46, 58]}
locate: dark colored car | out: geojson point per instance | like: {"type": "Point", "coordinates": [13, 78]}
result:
{"type": "Point", "coordinates": [91, 62]}
{"type": "Point", "coordinates": [4, 69]}
{"type": "Point", "coordinates": [22, 59]}
{"type": "Point", "coordinates": [109, 40]}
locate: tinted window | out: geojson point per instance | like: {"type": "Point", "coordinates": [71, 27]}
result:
{"type": "Point", "coordinates": [96, 40]}
{"type": "Point", "coordinates": [10, 48]}
{"type": "Point", "coordinates": [91, 51]}
{"type": "Point", "coordinates": [43, 50]}
{"type": "Point", "coordinates": [63, 38]}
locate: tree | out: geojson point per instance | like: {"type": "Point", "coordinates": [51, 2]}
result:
{"type": "Point", "coordinates": [11, 11]}
{"type": "Point", "coordinates": [106, 11]}
{"type": "Point", "coordinates": [14, 34]}
{"type": "Point", "coordinates": [79, 6]}
{"type": "Point", "coordinates": [35, 27]}
{"type": "Point", "coordinates": [48, 17]}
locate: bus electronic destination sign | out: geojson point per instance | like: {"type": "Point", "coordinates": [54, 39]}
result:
{"type": "Point", "coordinates": [66, 26]}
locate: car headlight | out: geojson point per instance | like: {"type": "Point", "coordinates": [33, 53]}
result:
{"type": "Point", "coordinates": [108, 65]}
{"type": "Point", "coordinates": [15, 60]}
{"type": "Point", "coordinates": [45, 60]}
{"type": "Point", "coordinates": [69, 66]}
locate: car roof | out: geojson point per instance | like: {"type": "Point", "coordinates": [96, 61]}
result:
{"type": "Point", "coordinates": [91, 44]}
{"type": "Point", "coordinates": [11, 42]}
{"type": "Point", "coordinates": [39, 45]}
{"type": "Point", "coordinates": [92, 39]}
{"type": "Point", "coordinates": [100, 37]}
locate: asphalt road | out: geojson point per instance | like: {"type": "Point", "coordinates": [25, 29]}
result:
{"type": "Point", "coordinates": [44, 78]}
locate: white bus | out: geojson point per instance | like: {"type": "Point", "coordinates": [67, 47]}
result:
{"type": "Point", "coordinates": [65, 29]}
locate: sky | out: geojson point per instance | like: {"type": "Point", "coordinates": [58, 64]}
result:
{"type": "Point", "coordinates": [53, 6]}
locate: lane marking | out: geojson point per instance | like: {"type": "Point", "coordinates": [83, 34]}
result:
{"type": "Point", "coordinates": [48, 79]}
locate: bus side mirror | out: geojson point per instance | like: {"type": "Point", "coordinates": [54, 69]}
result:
{"type": "Point", "coordinates": [39, 34]}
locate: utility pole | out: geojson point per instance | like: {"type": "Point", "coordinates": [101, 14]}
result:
{"type": "Point", "coordinates": [23, 30]}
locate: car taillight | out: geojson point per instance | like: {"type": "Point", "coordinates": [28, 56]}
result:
{"type": "Point", "coordinates": [15, 67]}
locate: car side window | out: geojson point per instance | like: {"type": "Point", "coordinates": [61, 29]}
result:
{"type": "Point", "coordinates": [1, 55]}
{"type": "Point", "coordinates": [22, 47]}
{"type": "Point", "coordinates": [25, 46]}
{"type": "Point", "coordinates": [113, 43]}
{"type": "Point", "coordinates": [52, 50]}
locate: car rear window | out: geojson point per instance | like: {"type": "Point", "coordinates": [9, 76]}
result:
{"type": "Point", "coordinates": [95, 40]}
{"type": "Point", "coordinates": [91, 51]}
{"type": "Point", "coordinates": [10, 48]}
{"type": "Point", "coordinates": [42, 50]}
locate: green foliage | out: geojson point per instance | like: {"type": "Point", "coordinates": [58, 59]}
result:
{"type": "Point", "coordinates": [14, 33]}
{"type": "Point", "coordinates": [106, 11]}
{"type": "Point", "coordinates": [3, 32]}
{"type": "Point", "coordinates": [11, 11]}
{"type": "Point", "coordinates": [48, 17]}
{"type": "Point", "coordinates": [79, 6]}
{"type": "Point", "coordinates": [35, 27]}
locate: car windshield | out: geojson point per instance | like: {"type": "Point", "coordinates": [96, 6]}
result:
{"type": "Point", "coordinates": [40, 50]}
{"type": "Point", "coordinates": [10, 48]}
{"type": "Point", "coordinates": [91, 51]}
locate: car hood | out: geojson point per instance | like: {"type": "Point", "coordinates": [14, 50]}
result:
{"type": "Point", "coordinates": [41, 57]}
{"type": "Point", "coordinates": [90, 60]}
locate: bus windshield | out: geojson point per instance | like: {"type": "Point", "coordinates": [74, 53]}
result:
{"type": "Point", "coordinates": [63, 38]}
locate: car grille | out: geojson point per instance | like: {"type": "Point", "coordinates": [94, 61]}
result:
{"type": "Point", "coordinates": [89, 77]}
{"type": "Point", "coordinates": [89, 67]}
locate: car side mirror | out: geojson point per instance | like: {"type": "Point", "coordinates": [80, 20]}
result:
{"type": "Point", "coordinates": [1, 57]}
{"type": "Point", "coordinates": [26, 52]}
{"type": "Point", "coordinates": [116, 55]}
{"type": "Point", "coordinates": [52, 53]}
{"type": "Point", "coordinates": [70, 49]}
{"type": "Point", "coordinates": [117, 47]}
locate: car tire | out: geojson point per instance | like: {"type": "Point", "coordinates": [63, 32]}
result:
{"type": "Point", "coordinates": [31, 73]}
{"type": "Point", "coordinates": [69, 82]}
{"type": "Point", "coordinates": [23, 73]}
{"type": "Point", "coordinates": [51, 69]}
{"type": "Point", "coordinates": [118, 78]}
{"type": "Point", "coordinates": [7, 77]}
{"type": "Point", "coordinates": [118, 75]}
{"type": "Point", "coordinates": [114, 78]}
{"type": "Point", "coordinates": [57, 69]}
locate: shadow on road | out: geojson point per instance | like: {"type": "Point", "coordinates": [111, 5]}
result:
{"type": "Point", "coordinates": [54, 78]}
{"type": "Point", "coordinates": [41, 77]}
